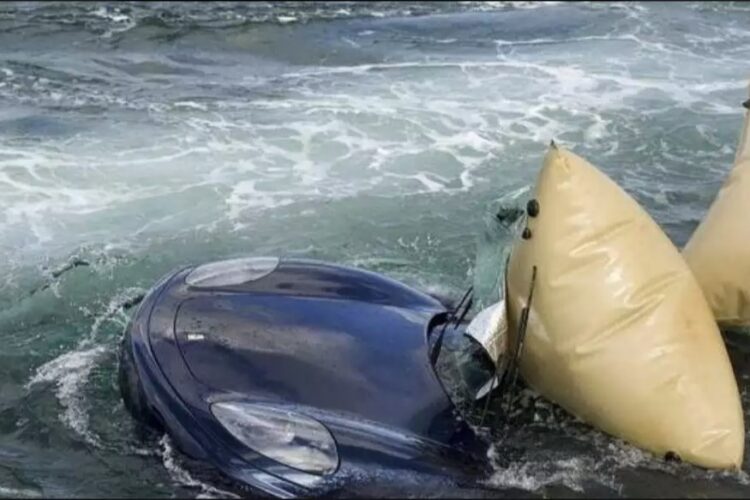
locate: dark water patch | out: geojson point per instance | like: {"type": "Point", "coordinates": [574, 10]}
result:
{"type": "Point", "coordinates": [36, 126]}
{"type": "Point", "coordinates": [146, 68]}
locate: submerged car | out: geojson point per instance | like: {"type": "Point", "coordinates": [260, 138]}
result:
{"type": "Point", "coordinates": [302, 378]}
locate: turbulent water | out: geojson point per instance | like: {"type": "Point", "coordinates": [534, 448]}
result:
{"type": "Point", "coordinates": [136, 138]}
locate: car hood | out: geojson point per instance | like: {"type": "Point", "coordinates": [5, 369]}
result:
{"type": "Point", "coordinates": [321, 336]}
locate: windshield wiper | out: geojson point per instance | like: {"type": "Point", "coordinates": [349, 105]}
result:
{"type": "Point", "coordinates": [453, 316]}
{"type": "Point", "coordinates": [508, 374]}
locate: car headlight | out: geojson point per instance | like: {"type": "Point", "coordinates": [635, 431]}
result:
{"type": "Point", "coordinates": [288, 437]}
{"type": "Point", "coordinates": [231, 272]}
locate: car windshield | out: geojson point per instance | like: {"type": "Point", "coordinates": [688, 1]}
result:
{"type": "Point", "coordinates": [464, 368]}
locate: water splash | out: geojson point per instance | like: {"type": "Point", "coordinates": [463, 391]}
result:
{"type": "Point", "coordinates": [183, 477]}
{"type": "Point", "coordinates": [70, 371]}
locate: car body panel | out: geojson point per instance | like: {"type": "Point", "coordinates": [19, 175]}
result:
{"type": "Point", "coordinates": [346, 347]}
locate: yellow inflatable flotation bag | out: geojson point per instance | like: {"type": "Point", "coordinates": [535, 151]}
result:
{"type": "Point", "coordinates": [618, 332]}
{"type": "Point", "coordinates": [719, 251]}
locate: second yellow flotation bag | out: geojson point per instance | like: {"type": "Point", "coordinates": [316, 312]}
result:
{"type": "Point", "coordinates": [719, 250]}
{"type": "Point", "coordinates": [618, 332]}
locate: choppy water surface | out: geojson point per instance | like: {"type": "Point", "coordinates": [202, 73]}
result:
{"type": "Point", "coordinates": [135, 138]}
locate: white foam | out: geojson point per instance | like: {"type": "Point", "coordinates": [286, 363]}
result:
{"type": "Point", "coordinates": [491, 5]}
{"type": "Point", "coordinates": [599, 464]}
{"type": "Point", "coordinates": [19, 493]}
{"type": "Point", "coordinates": [191, 105]}
{"type": "Point", "coordinates": [533, 476]}
{"type": "Point", "coordinates": [182, 477]}
{"type": "Point", "coordinates": [325, 133]}
{"type": "Point", "coordinates": [120, 21]}
{"type": "Point", "coordinates": [572, 472]}
{"type": "Point", "coordinates": [69, 372]}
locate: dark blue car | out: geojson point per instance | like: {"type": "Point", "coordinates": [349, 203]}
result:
{"type": "Point", "coordinates": [301, 378]}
